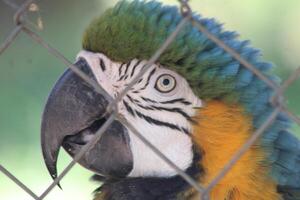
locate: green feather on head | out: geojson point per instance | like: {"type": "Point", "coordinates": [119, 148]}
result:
{"type": "Point", "coordinates": [137, 29]}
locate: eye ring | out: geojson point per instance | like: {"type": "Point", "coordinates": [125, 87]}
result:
{"type": "Point", "coordinates": [165, 83]}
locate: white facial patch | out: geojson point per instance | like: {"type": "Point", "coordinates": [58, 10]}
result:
{"type": "Point", "coordinates": [161, 112]}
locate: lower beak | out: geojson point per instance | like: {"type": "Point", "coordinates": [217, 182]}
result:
{"type": "Point", "coordinates": [72, 115]}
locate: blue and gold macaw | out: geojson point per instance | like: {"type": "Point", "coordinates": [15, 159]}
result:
{"type": "Point", "coordinates": [196, 104]}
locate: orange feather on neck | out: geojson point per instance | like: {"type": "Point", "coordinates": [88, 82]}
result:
{"type": "Point", "coordinates": [221, 130]}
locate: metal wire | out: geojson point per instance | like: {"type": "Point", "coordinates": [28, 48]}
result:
{"type": "Point", "coordinates": [190, 180]}
{"type": "Point", "coordinates": [277, 100]}
{"type": "Point", "coordinates": [18, 182]}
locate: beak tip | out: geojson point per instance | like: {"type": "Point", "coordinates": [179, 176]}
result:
{"type": "Point", "coordinates": [53, 172]}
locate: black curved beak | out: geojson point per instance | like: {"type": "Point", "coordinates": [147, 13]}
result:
{"type": "Point", "coordinates": [72, 115]}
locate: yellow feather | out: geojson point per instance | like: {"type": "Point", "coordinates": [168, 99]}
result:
{"type": "Point", "coordinates": [222, 129]}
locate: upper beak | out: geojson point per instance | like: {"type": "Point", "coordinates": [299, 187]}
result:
{"type": "Point", "coordinates": [72, 115]}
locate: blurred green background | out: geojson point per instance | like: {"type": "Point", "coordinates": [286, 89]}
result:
{"type": "Point", "coordinates": [28, 72]}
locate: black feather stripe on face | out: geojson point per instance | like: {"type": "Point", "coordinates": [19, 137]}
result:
{"type": "Point", "coordinates": [151, 120]}
{"type": "Point", "coordinates": [134, 67]}
{"type": "Point", "coordinates": [102, 65]}
{"type": "Point", "coordinates": [157, 122]}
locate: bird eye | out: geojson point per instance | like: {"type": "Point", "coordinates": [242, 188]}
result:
{"type": "Point", "coordinates": [165, 83]}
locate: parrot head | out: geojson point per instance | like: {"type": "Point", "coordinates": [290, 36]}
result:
{"type": "Point", "coordinates": [196, 104]}
{"type": "Point", "coordinates": [161, 105]}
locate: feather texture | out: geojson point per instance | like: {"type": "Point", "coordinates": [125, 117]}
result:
{"type": "Point", "coordinates": [210, 71]}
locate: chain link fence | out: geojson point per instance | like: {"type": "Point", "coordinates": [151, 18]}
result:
{"type": "Point", "coordinates": [22, 24]}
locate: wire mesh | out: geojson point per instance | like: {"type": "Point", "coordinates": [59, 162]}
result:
{"type": "Point", "coordinates": [277, 100]}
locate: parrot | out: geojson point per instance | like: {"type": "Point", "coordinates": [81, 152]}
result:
{"type": "Point", "coordinates": [196, 104]}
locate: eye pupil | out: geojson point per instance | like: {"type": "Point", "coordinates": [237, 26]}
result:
{"type": "Point", "coordinates": [166, 81]}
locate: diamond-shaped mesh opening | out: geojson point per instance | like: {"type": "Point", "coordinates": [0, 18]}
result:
{"type": "Point", "coordinates": [22, 102]}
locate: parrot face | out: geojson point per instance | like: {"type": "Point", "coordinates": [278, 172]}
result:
{"type": "Point", "coordinates": [160, 105]}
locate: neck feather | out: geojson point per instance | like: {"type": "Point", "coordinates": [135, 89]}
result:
{"type": "Point", "coordinates": [148, 188]}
